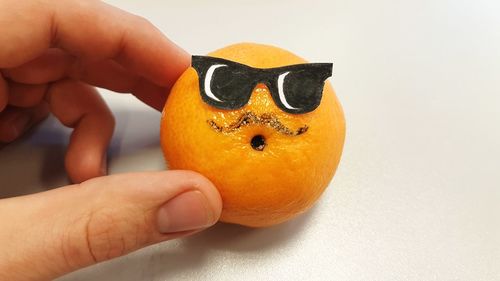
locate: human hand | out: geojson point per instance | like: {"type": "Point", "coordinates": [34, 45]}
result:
{"type": "Point", "coordinates": [52, 54]}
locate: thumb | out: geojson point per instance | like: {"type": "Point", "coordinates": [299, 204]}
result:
{"type": "Point", "coordinates": [59, 231]}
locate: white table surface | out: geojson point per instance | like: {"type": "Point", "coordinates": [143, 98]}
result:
{"type": "Point", "coordinates": [417, 193]}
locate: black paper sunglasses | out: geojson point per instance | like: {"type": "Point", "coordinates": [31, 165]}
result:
{"type": "Point", "coordinates": [228, 85]}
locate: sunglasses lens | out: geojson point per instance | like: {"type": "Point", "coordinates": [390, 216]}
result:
{"type": "Point", "coordinates": [225, 88]}
{"type": "Point", "coordinates": [299, 91]}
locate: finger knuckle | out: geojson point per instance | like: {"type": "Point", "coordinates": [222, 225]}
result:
{"type": "Point", "coordinates": [142, 21]}
{"type": "Point", "coordinates": [108, 237]}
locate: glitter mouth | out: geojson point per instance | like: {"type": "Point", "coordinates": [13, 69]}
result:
{"type": "Point", "coordinates": [250, 118]}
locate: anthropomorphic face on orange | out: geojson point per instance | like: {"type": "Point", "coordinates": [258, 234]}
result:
{"type": "Point", "coordinates": [262, 124]}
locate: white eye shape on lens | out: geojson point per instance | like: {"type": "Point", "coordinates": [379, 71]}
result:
{"type": "Point", "coordinates": [208, 80]}
{"type": "Point", "coordinates": [281, 80]}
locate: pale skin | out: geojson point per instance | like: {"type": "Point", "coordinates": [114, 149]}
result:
{"type": "Point", "coordinates": [52, 55]}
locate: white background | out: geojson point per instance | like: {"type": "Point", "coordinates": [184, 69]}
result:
{"type": "Point", "coordinates": [416, 196]}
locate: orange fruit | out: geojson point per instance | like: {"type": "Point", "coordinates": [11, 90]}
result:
{"type": "Point", "coordinates": [259, 187]}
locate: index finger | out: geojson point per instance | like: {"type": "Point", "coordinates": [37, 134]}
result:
{"type": "Point", "coordinates": [91, 31]}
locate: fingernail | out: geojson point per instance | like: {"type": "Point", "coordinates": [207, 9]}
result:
{"type": "Point", "coordinates": [104, 165]}
{"type": "Point", "coordinates": [187, 211]}
{"type": "Point", "coordinates": [20, 124]}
